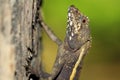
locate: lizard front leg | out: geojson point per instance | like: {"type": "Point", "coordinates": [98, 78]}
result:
{"type": "Point", "coordinates": [49, 32]}
{"type": "Point", "coordinates": [59, 62]}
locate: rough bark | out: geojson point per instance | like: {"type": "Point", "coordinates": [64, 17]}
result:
{"type": "Point", "coordinates": [16, 36]}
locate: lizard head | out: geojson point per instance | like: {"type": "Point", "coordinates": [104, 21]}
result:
{"type": "Point", "coordinates": [78, 31]}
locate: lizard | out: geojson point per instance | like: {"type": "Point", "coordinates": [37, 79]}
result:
{"type": "Point", "coordinates": [72, 50]}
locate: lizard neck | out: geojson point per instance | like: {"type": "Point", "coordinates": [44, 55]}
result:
{"type": "Point", "coordinates": [67, 46]}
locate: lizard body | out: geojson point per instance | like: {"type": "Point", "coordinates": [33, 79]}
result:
{"type": "Point", "coordinates": [72, 50]}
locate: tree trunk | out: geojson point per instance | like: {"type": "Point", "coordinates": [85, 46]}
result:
{"type": "Point", "coordinates": [18, 34]}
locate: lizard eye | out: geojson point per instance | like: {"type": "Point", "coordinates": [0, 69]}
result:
{"type": "Point", "coordinates": [84, 20]}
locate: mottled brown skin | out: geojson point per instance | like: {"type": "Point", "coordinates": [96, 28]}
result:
{"type": "Point", "coordinates": [77, 38]}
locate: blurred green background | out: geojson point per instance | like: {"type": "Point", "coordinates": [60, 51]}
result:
{"type": "Point", "coordinates": [103, 60]}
